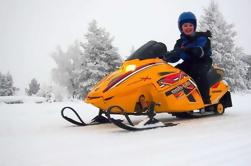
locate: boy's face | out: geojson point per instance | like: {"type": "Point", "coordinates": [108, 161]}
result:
{"type": "Point", "coordinates": [187, 28]}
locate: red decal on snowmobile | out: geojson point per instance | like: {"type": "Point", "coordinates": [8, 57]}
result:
{"type": "Point", "coordinates": [215, 85]}
{"type": "Point", "coordinates": [145, 78]}
{"type": "Point", "coordinates": [171, 79]}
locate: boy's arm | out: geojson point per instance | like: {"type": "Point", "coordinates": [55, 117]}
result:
{"type": "Point", "coordinates": [174, 55]}
{"type": "Point", "coordinates": [180, 50]}
{"type": "Point", "coordinates": [197, 51]}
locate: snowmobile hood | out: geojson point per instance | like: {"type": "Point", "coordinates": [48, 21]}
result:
{"type": "Point", "coordinates": [105, 88]}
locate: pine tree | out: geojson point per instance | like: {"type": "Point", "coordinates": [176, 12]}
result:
{"type": "Point", "coordinates": [46, 91]}
{"type": "Point", "coordinates": [225, 53]}
{"type": "Point", "coordinates": [34, 87]}
{"type": "Point", "coordinates": [68, 63]}
{"type": "Point", "coordinates": [6, 85]}
{"type": "Point", "coordinates": [247, 59]}
{"type": "Point", "coordinates": [100, 57]}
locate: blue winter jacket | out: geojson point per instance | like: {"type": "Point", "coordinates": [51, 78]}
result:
{"type": "Point", "coordinates": [192, 49]}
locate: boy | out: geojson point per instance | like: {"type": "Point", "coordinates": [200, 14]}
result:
{"type": "Point", "coordinates": [195, 50]}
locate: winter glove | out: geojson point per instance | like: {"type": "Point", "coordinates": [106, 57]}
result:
{"type": "Point", "coordinates": [172, 56]}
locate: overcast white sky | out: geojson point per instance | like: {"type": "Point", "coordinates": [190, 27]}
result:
{"type": "Point", "coordinates": [30, 30]}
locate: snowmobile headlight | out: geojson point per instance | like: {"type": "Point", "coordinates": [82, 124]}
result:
{"type": "Point", "coordinates": [130, 68]}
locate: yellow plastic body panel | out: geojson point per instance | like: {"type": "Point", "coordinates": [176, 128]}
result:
{"type": "Point", "coordinates": [140, 77]}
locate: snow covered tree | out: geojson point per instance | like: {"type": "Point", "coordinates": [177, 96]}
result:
{"type": "Point", "coordinates": [68, 63]}
{"type": "Point", "coordinates": [225, 53]}
{"type": "Point", "coordinates": [46, 91]}
{"type": "Point", "coordinates": [34, 87]}
{"type": "Point", "coordinates": [247, 59]}
{"type": "Point", "coordinates": [131, 52]}
{"type": "Point", "coordinates": [6, 85]}
{"type": "Point", "coordinates": [81, 66]}
{"type": "Point", "coordinates": [100, 57]}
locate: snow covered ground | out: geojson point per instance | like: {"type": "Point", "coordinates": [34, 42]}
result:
{"type": "Point", "coordinates": [21, 99]}
{"type": "Point", "coordinates": [35, 135]}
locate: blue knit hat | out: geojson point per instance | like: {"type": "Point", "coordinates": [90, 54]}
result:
{"type": "Point", "coordinates": [187, 17]}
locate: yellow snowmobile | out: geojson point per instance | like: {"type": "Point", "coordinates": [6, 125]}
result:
{"type": "Point", "coordinates": [147, 85]}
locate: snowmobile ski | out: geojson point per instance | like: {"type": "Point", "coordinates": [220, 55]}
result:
{"type": "Point", "coordinates": [99, 119]}
{"type": "Point", "coordinates": [141, 126]}
{"type": "Point", "coordinates": [148, 123]}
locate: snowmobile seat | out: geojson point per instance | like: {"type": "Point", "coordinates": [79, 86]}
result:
{"type": "Point", "coordinates": [214, 75]}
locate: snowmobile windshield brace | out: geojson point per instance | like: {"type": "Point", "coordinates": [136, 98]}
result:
{"type": "Point", "coordinates": [151, 49]}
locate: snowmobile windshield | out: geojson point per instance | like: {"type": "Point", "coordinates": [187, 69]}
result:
{"type": "Point", "coordinates": [151, 49]}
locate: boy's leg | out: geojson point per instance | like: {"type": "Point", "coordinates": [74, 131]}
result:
{"type": "Point", "coordinates": [200, 77]}
{"type": "Point", "coordinates": [198, 72]}
{"type": "Point", "coordinates": [184, 67]}
{"type": "Point", "coordinates": [204, 89]}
